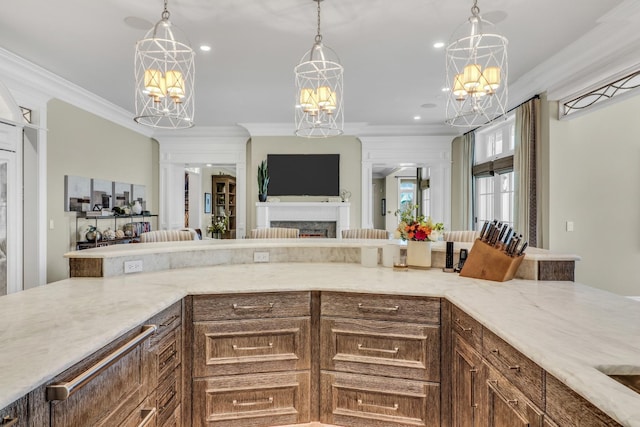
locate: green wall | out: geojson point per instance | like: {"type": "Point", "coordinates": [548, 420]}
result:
{"type": "Point", "coordinates": [82, 144]}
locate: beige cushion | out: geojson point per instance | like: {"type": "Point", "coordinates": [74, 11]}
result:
{"type": "Point", "coordinates": [166, 236]}
{"type": "Point", "coordinates": [275, 233]}
{"type": "Point", "coordinates": [461, 236]}
{"type": "Point", "coordinates": [365, 233]}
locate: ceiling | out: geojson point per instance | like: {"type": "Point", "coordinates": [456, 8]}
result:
{"type": "Point", "coordinates": [392, 71]}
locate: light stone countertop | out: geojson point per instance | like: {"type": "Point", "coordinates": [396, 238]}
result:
{"type": "Point", "coordinates": [570, 330]}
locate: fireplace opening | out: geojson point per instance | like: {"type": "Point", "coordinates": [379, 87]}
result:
{"type": "Point", "coordinates": [310, 229]}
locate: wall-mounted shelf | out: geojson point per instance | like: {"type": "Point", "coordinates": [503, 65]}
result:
{"type": "Point", "coordinates": [137, 227]}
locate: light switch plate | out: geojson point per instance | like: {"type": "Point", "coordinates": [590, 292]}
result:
{"type": "Point", "coordinates": [261, 257]}
{"type": "Point", "coordinates": [133, 266]}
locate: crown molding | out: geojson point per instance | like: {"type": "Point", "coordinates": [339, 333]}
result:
{"type": "Point", "coordinates": [203, 132]}
{"type": "Point", "coordinates": [28, 77]}
{"type": "Point", "coordinates": [357, 129]}
{"type": "Point", "coordinates": [607, 50]}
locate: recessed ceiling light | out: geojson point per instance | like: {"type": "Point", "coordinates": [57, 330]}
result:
{"type": "Point", "coordinates": [429, 105]}
{"type": "Point", "coordinates": [446, 89]}
{"type": "Point", "coordinates": [209, 165]}
{"type": "Point", "coordinates": [205, 47]}
{"type": "Point", "coordinates": [416, 117]}
{"type": "Point", "coordinates": [438, 45]}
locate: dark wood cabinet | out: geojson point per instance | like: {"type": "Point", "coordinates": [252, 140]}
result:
{"type": "Point", "coordinates": [16, 414]}
{"type": "Point", "coordinates": [224, 202]}
{"type": "Point", "coordinates": [467, 387]}
{"type": "Point", "coordinates": [251, 359]}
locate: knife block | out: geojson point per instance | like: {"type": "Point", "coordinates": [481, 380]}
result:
{"type": "Point", "coordinates": [487, 262]}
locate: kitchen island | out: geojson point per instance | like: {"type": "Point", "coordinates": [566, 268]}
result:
{"type": "Point", "coordinates": [573, 332]}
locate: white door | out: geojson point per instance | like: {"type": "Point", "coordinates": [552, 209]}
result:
{"type": "Point", "coordinates": [9, 226]}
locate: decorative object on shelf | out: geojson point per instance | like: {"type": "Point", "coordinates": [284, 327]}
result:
{"type": "Point", "coordinates": [119, 234]}
{"type": "Point", "coordinates": [136, 208]}
{"type": "Point", "coordinates": [263, 181]}
{"type": "Point", "coordinates": [93, 234]}
{"type": "Point", "coordinates": [476, 73]}
{"type": "Point", "coordinates": [319, 86]}
{"type": "Point", "coordinates": [345, 195]}
{"type": "Point", "coordinates": [418, 231]}
{"type": "Point", "coordinates": [164, 72]}
{"type": "Point", "coordinates": [108, 234]}
{"type": "Point", "coordinates": [129, 229]}
{"type": "Point", "coordinates": [218, 226]}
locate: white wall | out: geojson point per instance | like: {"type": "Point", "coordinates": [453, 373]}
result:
{"type": "Point", "coordinates": [594, 181]}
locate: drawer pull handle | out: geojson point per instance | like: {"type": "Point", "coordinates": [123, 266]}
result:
{"type": "Point", "coordinates": [150, 413]}
{"type": "Point", "coordinates": [7, 421]}
{"type": "Point", "coordinates": [264, 347]}
{"type": "Point", "coordinates": [266, 307]}
{"type": "Point", "coordinates": [493, 384]}
{"type": "Point", "coordinates": [64, 390]}
{"type": "Point", "coordinates": [373, 405]}
{"type": "Point", "coordinates": [169, 321]}
{"type": "Point", "coordinates": [379, 350]}
{"type": "Point", "coordinates": [393, 309]}
{"type": "Point", "coordinates": [267, 401]}
{"type": "Point", "coordinates": [461, 326]}
{"type": "Point", "coordinates": [512, 367]}
{"type": "Point", "coordinates": [472, 386]}
{"type": "Point", "coordinates": [167, 399]}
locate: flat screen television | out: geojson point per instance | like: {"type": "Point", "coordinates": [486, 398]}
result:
{"type": "Point", "coordinates": [304, 174]}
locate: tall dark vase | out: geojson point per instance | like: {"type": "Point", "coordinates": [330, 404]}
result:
{"type": "Point", "coordinates": [262, 197]}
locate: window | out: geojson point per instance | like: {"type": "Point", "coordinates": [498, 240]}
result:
{"type": "Point", "coordinates": [407, 193]}
{"type": "Point", "coordinates": [493, 173]}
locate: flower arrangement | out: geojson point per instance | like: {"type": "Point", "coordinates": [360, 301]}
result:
{"type": "Point", "coordinates": [416, 227]}
{"type": "Point", "coordinates": [219, 224]}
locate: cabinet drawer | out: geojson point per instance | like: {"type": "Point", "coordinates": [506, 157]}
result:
{"type": "Point", "coordinates": [246, 346]}
{"type": "Point", "coordinates": [88, 395]}
{"type": "Point", "coordinates": [145, 415]}
{"type": "Point", "coordinates": [516, 367]}
{"type": "Point", "coordinates": [251, 400]}
{"type": "Point", "coordinates": [403, 350]}
{"type": "Point", "coordinates": [381, 307]}
{"type": "Point", "coordinates": [368, 401]}
{"type": "Point", "coordinates": [166, 321]}
{"type": "Point", "coordinates": [566, 407]}
{"type": "Point", "coordinates": [168, 396]}
{"type": "Point", "coordinates": [175, 420]}
{"type": "Point", "coordinates": [251, 306]}
{"type": "Point", "coordinates": [168, 354]}
{"type": "Point", "coordinates": [507, 405]}
{"type": "Point", "coordinates": [467, 327]}
{"type": "Point", "coordinates": [15, 414]}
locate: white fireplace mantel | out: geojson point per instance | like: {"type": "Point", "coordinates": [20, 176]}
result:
{"type": "Point", "coordinates": [303, 211]}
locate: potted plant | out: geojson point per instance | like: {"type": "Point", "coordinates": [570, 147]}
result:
{"type": "Point", "coordinates": [263, 181]}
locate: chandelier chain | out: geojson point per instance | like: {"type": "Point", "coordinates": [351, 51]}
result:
{"type": "Point", "coordinates": [165, 12]}
{"type": "Point", "coordinates": [475, 10]}
{"type": "Point", "coordinates": [318, 35]}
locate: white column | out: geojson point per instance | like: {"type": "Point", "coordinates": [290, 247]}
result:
{"type": "Point", "coordinates": [241, 200]}
{"type": "Point", "coordinates": [366, 219]}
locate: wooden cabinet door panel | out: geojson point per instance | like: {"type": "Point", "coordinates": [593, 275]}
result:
{"type": "Point", "coordinates": [381, 307]}
{"type": "Point", "coordinates": [257, 400]}
{"type": "Point", "coordinates": [515, 366]}
{"type": "Point", "coordinates": [15, 414]}
{"type": "Point", "coordinates": [251, 306]}
{"type": "Point", "coordinates": [108, 397]}
{"type": "Point", "coordinates": [240, 347]}
{"type": "Point", "coordinates": [506, 405]}
{"type": "Point", "coordinates": [373, 347]}
{"type": "Point", "coordinates": [369, 401]}
{"type": "Point", "coordinates": [467, 388]}
{"type": "Point", "coordinates": [566, 407]}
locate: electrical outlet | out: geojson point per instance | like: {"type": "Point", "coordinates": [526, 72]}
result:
{"type": "Point", "coordinates": [133, 266]}
{"type": "Point", "coordinates": [261, 257]}
{"type": "Point", "coordinates": [569, 225]}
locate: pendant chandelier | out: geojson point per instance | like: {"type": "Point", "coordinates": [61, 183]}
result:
{"type": "Point", "coordinates": [476, 73]}
{"type": "Point", "coordinates": [164, 71]}
{"type": "Point", "coordinates": [319, 88]}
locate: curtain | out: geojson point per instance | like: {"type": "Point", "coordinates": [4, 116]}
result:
{"type": "Point", "coordinates": [467, 186]}
{"type": "Point", "coordinates": [525, 171]}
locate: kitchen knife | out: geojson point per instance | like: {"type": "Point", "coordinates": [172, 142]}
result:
{"type": "Point", "coordinates": [524, 246]}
